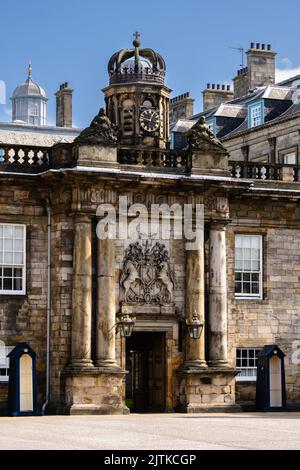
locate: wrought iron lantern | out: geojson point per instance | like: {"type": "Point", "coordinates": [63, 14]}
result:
{"type": "Point", "coordinates": [195, 327]}
{"type": "Point", "coordinates": [125, 324]}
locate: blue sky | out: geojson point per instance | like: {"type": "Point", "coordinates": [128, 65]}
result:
{"type": "Point", "coordinates": [72, 40]}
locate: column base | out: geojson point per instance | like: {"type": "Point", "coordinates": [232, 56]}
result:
{"type": "Point", "coordinates": [81, 363]}
{"type": "Point", "coordinates": [210, 408]}
{"type": "Point", "coordinates": [96, 410]}
{"type": "Point", "coordinates": [107, 364]}
{"type": "Point", "coordinates": [94, 391]}
{"type": "Point", "coordinates": [218, 364]}
{"type": "Point", "coordinates": [204, 390]}
{"type": "Point", "coordinates": [191, 365]}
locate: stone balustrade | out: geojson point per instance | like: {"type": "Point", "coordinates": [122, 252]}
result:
{"type": "Point", "coordinates": [28, 159]}
{"type": "Point", "coordinates": [161, 158]}
{"type": "Point", "coordinates": [34, 159]}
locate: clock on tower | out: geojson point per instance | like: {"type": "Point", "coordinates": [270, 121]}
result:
{"type": "Point", "coordinates": [137, 100]}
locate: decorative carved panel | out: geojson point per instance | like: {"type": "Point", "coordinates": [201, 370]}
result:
{"type": "Point", "coordinates": [147, 275]}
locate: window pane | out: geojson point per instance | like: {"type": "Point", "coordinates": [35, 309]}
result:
{"type": "Point", "coordinates": [7, 283]}
{"type": "Point", "coordinates": [255, 288]}
{"type": "Point", "coordinates": [17, 284]}
{"type": "Point", "coordinates": [17, 272]}
{"type": "Point", "coordinates": [255, 265]}
{"type": "Point", "coordinates": [238, 241]}
{"type": "Point", "coordinates": [246, 287]}
{"type": "Point", "coordinates": [19, 245]}
{"type": "Point", "coordinates": [19, 232]}
{"type": "Point", "coordinates": [238, 287]}
{"type": "Point", "coordinates": [18, 258]}
{"type": "Point", "coordinates": [289, 158]}
{"type": "Point", "coordinates": [8, 231]}
{"type": "Point", "coordinates": [7, 272]}
{"type": "Point", "coordinates": [238, 276]}
{"type": "Point", "coordinates": [238, 264]}
{"type": "Point", "coordinates": [8, 257]}
{"type": "Point", "coordinates": [247, 265]}
{"type": "Point", "coordinates": [8, 244]}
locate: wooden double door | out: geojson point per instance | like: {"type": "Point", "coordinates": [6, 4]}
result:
{"type": "Point", "coordinates": [145, 363]}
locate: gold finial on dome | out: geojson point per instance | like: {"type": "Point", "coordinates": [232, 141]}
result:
{"type": "Point", "coordinates": [136, 42]}
{"type": "Point", "coordinates": [29, 69]}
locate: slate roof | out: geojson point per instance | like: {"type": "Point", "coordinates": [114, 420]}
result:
{"type": "Point", "coordinates": [232, 116]}
{"type": "Point", "coordinates": [41, 136]}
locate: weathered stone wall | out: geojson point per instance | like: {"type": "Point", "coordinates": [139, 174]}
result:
{"type": "Point", "coordinates": [23, 317]}
{"type": "Point", "coordinates": [265, 144]}
{"type": "Point", "coordinates": [61, 295]}
{"type": "Point", "coordinates": [276, 317]}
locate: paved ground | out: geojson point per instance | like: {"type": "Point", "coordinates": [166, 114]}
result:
{"type": "Point", "coordinates": [153, 431]}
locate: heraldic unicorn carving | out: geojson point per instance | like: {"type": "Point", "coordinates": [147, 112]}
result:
{"type": "Point", "coordinates": [147, 276]}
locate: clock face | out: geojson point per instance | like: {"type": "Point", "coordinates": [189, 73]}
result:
{"type": "Point", "coordinates": [149, 120]}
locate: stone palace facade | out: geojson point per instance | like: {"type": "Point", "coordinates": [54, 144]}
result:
{"type": "Point", "coordinates": [66, 292]}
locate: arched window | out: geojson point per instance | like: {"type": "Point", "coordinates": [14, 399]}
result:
{"type": "Point", "coordinates": [147, 104]}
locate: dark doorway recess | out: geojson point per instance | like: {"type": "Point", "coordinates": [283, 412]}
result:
{"type": "Point", "coordinates": [145, 382]}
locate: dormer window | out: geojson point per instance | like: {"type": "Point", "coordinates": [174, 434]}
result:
{"type": "Point", "coordinates": [211, 124]}
{"type": "Point", "coordinates": [255, 114]}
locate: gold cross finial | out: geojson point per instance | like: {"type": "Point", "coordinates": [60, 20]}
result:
{"type": "Point", "coordinates": [136, 41]}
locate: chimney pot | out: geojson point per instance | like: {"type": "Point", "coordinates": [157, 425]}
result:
{"type": "Point", "coordinates": [252, 45]}
{"type": "Point", "coordinates": [269, 47]}
{"type": "Point", "coordinates": [218, 87]}
{"type": "Point", "coordinates": [63, 107]}
{"type": "Point", "coordinates": [263, 46]}
{"type": "Point", "coordinates": [257, 45]}
{"type": "Point", "coordinates": [223, 87]}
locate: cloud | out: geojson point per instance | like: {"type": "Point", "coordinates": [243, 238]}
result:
{"type": "Point", "coordinates": [286, 63]}
{"type": "Point", "coordinates": [285, 73]}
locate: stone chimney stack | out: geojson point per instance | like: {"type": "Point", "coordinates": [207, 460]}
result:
{"type": "Point", "coordinates": [181, 107]}
{"type": "Point", "coordinates": [64, 106]}
{"type": "Point", "coordinates": [260, 70]}
{"type": "Point", "coordinates": [216, 94]}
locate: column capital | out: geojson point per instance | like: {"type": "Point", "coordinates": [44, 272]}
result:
{"type": "Point", "coordinates": [82, 218]}
{"type": "Point", "coordinates": [219, 224]}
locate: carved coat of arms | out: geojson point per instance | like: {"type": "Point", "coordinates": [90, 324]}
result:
{"type": "Point", "coordinates": [147, 276]}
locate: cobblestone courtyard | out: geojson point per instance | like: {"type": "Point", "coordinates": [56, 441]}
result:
{"type": "Point", "coordinates": [153, 432]}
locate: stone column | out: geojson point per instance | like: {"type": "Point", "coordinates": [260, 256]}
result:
{"type": "Point", "coordinates": [82, 294]}
{"type": "Point", "coordinates": [106, 314]}
{"type": "Point", "coordinates": [194, 303]}
{"type": "Point", "coordinates": [217, 295]}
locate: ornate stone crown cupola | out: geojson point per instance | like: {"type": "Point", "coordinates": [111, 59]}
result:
{"type": "Point", "coordinates": [137, 100]}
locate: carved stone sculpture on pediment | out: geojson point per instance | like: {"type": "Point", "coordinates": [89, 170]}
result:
{"type": "Point", "coordinates": [201, 138]}
{"type": "Point", "coordinates": [100, 131]}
